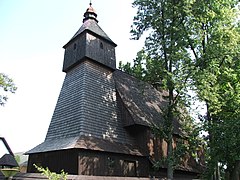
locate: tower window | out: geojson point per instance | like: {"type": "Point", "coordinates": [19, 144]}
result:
{"type": "Point", "coordinates": [101, 45]}
{"type": "Point", "coordinates": [74, 46]}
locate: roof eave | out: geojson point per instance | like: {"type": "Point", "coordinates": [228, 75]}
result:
{"type": "Point", "coordinates": [91, 32]}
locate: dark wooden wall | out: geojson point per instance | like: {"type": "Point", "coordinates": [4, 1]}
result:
{"type": "Point", "coordinates": [56, 161]}
{"type": "Point", "coordinates": [86, 162]}
{"type": "Point", "coordinates": [112, 164]}
{"type": "Point", "coordinates": [89, 46]}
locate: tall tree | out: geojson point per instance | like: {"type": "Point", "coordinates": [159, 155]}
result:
{"type": "Point", "coordinates": [6, 85]}
{"type": "Point", "coordinates": [167, 59]}
{"type": "Point", "coordinates": [196, 39]}
{"type": "Point", "coordinates": [148, 70]}
{"type": "Point", "coordinates": [214, 39]}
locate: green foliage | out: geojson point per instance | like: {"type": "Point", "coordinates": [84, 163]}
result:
{"type": "Point", "coordinates": [214, 43]}
{"type": "Point", "coordinates": [51, 175]}
{"type": "Point", "coordinates": [194, 45]}
{"type": "Point", "coordinates": [190, 144]}
{"type": "Point", "coordinates": [17, 158]}
{"type": "Point", "coordinates": [224, 119]}
{"type": "Point", "coordinates": [165, 62]}
{"type": "Point", "coordinates": [146, 69]}
{"type": "Point", "coordinates": [168, 65]}
{"type": "Point", "coordinates": [6, 85]}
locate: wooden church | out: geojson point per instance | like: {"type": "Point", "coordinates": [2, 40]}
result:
{"type": "Point", "coordinates": [101, 122]}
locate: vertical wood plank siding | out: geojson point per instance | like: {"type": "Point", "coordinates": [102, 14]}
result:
{"type": "Point", "coordinates": [88, 46]}
{"type": "Point", "coordinates": [56, 161]}
{"type": "Point", "coordinates": [111, 164]}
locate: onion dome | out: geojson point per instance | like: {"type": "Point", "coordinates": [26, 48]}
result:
{"type": "Point", "coordinates": [90, 14]}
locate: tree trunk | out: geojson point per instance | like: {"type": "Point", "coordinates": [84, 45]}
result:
{"type": "Point", "coordinates": [218, 172]}
{"type": "Point", "coordinates": [227, 176]}
{"type": "Point", "coordinates": [216, 175]}
{"type": "Point", "coordinates": [170, 158]}
{"type": "Point", "coordinates": [235, 172]}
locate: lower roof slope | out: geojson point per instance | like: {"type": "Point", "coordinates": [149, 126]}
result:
{"type": "Point", "coordinates": [142, 100]}
{"type": "Point", "coordinates": [86, 142]}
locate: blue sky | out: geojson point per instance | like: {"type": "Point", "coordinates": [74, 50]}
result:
{"type": "Point", "coordinates": [32, 33]}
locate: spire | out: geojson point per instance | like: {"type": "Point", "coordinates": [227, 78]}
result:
{"type": "Point", "coordinates": [90, 13]}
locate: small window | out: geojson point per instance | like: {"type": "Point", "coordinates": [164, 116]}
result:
{"type": "Point", "coordinates": [75, 46]}
{"type": "Point", "coordinates": [101, 45]}
{"type": "Point", "coordinates": [129, 168]}
{"type": "Point", "coordinates": [111, 162]}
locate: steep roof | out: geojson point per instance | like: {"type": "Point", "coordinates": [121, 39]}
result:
{"type": "Point", "coordinates": [143, 101]}
{"type": "Point", "coordinates": [91, 26]}
{"type": "Point", "coordinates": [144, 104]}
{"type": "Point", "coordinates": [8, 160]}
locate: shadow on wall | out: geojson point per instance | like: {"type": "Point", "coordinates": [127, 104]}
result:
{"type": "Point", "coordinates": [108, 165]}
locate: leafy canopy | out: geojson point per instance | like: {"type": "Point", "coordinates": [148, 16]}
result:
{"type": "Point", "coordinates": [6, 85]}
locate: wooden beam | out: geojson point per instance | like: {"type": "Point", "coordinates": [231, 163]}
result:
{"type": "Point", "coordinates": [6, 145]}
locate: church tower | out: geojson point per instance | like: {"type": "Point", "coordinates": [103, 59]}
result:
{"type": "Point", "coordinates": [86, 135]}
{"type": "Point", "coordinates": [89, 42]}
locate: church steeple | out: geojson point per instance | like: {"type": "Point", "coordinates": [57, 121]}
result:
{"type": "Point", "coordinates": [89, 43]}
{"type": "Point", "coordinates": [90, 14]}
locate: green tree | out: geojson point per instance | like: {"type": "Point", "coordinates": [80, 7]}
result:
{"type": "Point", "coordinates": [6, 85]}
{"type": "Point", "coordinates": [213, 39]}
{"type": "Point", "coordinates": [165, 57]}
{"type": "Point", "coordinates": [148, 70]}
{"type": "Point", "coordinates": [194, 45]}
{"type": "Point", "coordinates": [223, 121]}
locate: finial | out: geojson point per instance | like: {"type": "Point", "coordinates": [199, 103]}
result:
{"type": "Point", "coordinates": [90, 13]}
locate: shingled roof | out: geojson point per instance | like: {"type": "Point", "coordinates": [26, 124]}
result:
{"type": "Point", "coordinates": [8, 160]}
{"type": "Point", "coordinates": [86, 142]}
{"type": "Point", "coordinates": [92, 27]}
{"type": "Point", "coordinates": [142, 100]}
